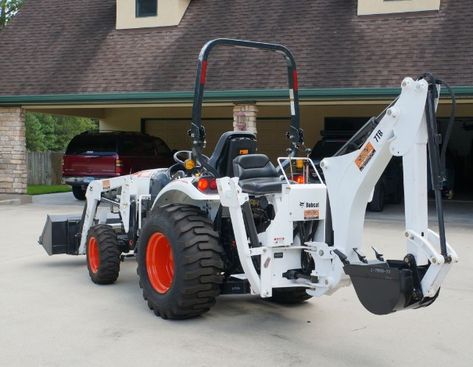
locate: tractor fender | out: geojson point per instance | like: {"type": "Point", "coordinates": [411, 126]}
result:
{"type": "Point", "coordinates": [184, 192]}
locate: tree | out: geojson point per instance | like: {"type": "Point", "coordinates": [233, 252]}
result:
{"type": "Point", "coordinates": [34, 133]}
{"type": "Point", "coordinates": [47, 132]}
{"type": "Point", "coordinates": [8, 8]}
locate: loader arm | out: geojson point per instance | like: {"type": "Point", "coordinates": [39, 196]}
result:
{"type": "Point", "coordinates": [132, 186]}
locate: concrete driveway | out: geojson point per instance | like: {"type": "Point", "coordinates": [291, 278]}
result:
{"type": "Point", "coordinates": [53, 315]}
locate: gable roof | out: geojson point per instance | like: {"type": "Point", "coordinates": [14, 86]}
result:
{"type": "Point", "coordinates": [71, 47]}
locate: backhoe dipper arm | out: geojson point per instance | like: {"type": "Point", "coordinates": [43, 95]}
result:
{"type": "Point", "coordinates": [197, 130]}
{"type": "Point", "coordinates": [351, 178]}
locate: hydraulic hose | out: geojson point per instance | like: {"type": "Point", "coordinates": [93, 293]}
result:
{"type": "Point", "coordinates": [436, 158]}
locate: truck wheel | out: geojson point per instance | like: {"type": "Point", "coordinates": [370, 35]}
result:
{"type": "Point", "coordinates": [78, 192]}
{"type": "Point", "coordinates": [103, 254]}
{"type": "Point", "coordinates": [179, 262]}
{"type": "Point", "coordinates": [377, 204]}
{"type": "Point", "coordinates": [289, 296]}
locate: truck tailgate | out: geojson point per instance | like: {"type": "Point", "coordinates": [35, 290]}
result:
{"type": "Point", "coordinates": [89, 165]}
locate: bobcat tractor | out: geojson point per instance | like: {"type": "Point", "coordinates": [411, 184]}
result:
{"type": "Point", "coordinates": [235, 223]}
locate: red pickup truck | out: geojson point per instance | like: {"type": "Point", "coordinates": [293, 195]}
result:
{"type": "Point", "coordinates": [91, 156]}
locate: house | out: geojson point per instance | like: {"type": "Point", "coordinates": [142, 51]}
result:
{"type": "Point", "coordinates": [131, 64]}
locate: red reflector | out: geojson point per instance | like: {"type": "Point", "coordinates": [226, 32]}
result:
{"type": "Point", "coordinates": [203, 72]}
{"type": "Point", "coordinates": [213, 184]}
{"type": "Point", "coordinates": [118, 167]}
{"type": "Point", "coordinates": [299, 179]}
{"type": "Point", "coordinates": [295, 80]}
{"type": "Point", "coordinates": [203, 184]}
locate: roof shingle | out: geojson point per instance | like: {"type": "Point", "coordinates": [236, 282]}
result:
{"type": "Point", "coordinates": [56, 46]}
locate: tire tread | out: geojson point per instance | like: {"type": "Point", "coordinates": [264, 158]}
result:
{"type": "Point", "coordinates": [109, 252]}
{"type": "Point", "coordinates": [201, 266]}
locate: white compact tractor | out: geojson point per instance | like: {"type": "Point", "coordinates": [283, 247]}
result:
{"type": "Point", "coordinates": [235, 223]}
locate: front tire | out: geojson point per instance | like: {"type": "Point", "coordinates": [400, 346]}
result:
{"type": "Point", "coordinates": [103, 254]}
{"type": "Point", "coordinates": [179, 262]}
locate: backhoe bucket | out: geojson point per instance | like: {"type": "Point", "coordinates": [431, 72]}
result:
{"type": "Point", "coordinates": [386, 287]}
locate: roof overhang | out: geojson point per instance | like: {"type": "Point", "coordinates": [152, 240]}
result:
{"type": "Point", "coordinates": [313, 94]}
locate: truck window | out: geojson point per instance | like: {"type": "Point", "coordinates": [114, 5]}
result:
{"type": "Point", "coordinates": [161, 146]}
{"type": "Point", "coordinates": [136, 146]}
{"type": "Point", "coordinates": [87, 144]}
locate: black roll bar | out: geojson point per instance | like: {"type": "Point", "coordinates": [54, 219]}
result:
{"type": "Point", "coordinates": [197, 131]}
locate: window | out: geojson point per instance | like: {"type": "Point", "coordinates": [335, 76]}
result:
{"type": "Point", "coordinates": [132, 14]}
{"type": "Point", "coordinates": [368, 7]}
{"type": "Point", "coordinates": [146, 8]}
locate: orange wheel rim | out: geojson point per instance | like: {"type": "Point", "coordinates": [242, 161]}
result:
{"type": "Point", "coordinates": [159, 262]}
{"type": "Point", "coordinates": [94, 258]}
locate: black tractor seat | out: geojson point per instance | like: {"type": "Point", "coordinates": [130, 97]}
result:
{"type": "Point", "coordinates": [257, 175]}
{"type": "Point", "coordinates": [230, 145]}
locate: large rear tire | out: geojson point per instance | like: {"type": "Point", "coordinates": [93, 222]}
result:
{"type": "Point", "coordinates": [103, 254]}
{"type": "Point", "coordinates": [179, 262]}
{"type": "Point", "coordinates": [289, 296]}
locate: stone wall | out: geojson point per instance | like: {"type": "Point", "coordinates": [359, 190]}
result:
{"type": "Point", "coordinates": [244, 117]}
{"type": "Point", "coordinates": [13, 163]}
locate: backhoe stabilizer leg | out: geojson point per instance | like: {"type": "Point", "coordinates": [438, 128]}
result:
{"type": "Point", "coordinates": [232, 197]}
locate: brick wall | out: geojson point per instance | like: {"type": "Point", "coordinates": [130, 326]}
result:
{"type": "Point", "coordinates": [244, 117]}
{"type": "Point", "coordinates": [13, 167]}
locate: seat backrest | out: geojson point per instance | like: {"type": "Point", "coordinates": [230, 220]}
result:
{"type": "Point", "coordinates": [230, 145]}
{"type": "Point", "coordinates": [253, 166]}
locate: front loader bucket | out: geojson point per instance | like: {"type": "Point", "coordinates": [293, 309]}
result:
{"type": "Point", "coordinates": [60, 234]}
{"type": "Point", "coordinates": [386, 287]}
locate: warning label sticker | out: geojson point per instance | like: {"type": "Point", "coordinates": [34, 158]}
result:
{"type": "Point", "coordinates": [106, 184]}
{"type": "Point", "coordinates": [311, 214]}
{"type": "Point", "coordinates": [364, 157]}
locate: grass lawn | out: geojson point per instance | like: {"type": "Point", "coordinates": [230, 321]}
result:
{"type": "Point", "coordinates": [47, 189]}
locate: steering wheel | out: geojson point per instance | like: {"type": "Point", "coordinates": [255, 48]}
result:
{"type": "Point", "coordinates": [182, 155]}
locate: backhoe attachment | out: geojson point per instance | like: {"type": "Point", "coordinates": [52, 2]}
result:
{"type": "Point", "coordinates": [405, 129]}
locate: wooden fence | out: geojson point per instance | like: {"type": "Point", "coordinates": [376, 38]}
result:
{"type": "Point", "coordinates": [44, 168]}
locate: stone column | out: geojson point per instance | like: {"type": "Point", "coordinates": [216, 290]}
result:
{"type": "Point", "coordinates": [13, 159]}
{"type": "Point", "coordinates": [244, 117]}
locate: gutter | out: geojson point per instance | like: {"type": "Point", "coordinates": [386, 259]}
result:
{"type": "Point", "coordinates": [214, 96]}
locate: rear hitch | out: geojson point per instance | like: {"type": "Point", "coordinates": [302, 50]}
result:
{"type": "Point", "coordinates": [388, 286]}
{"type": "Point", "coordinates": [293, 274]}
